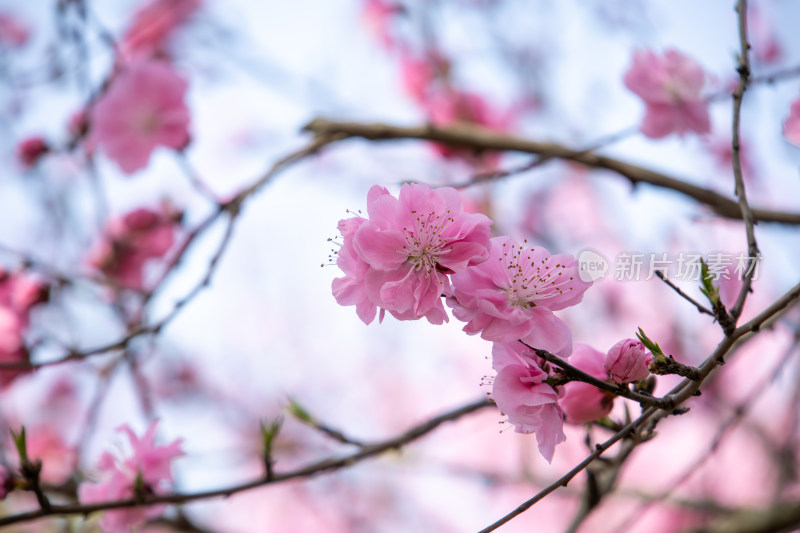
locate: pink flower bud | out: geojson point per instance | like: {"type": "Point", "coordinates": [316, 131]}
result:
{"type": "Point", "coordinates": [30, 150]}
{"type": "Point", "coordinates": [583, 402]}
{"type": "Point", "coordinates": [627, 361]}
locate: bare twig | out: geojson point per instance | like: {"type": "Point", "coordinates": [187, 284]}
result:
{"type": "Point", "coordinates": [232, 208]}
{"type": "Point", "coordinates": [743, 69]}
{"type": "Point", "coordinates": [319, 467]}
{"type": "Point", "coordinates": [566, 478]}
{"type": "Point", "coordinates": [700, 307]}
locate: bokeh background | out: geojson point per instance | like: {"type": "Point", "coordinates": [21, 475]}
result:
{"type": "Point", "coordinates": [267, 329]}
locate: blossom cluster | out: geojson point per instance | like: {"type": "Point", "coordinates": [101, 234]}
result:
{"type": "Point", "coordinates": [145, 471]}
{"type": "Point", "coordinates": [414, 252]}
{"type": "Point", "coordinates": [417, 250]}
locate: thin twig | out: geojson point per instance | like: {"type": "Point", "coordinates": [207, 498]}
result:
{"type": "Point", "coordinates": [319, 467]}
{"type": "Point", "coordinates": [232, 208]}
{"type": "Point", "coordinates": [743, 69]}
{"type": "Point", "coordinates": [700, 307]}
{"type": "Point", "coordinates": [566, 478]}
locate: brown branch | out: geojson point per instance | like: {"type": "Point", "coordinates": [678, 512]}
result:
{"type": "Point", "coordinates": [232, 208]}
{"type": "Point", "coordinates": [700, 308]}
{"type": "Point", "coordinates": [678, 395]}
{"type": "Point", "coordinates": [778, 517]}
{"type": "Point", "coordinates": [747, 215]}
{"type": "Point", "coordinates": [483, 139]}
{"type": "Point", "coordinates": [319, 467]}
{"type": "Point", "coordinates": [618, 390]}
{"type": "Point", "coordinates": [566, 478]}
{"type": "Point", "coordinates": [739, 411]}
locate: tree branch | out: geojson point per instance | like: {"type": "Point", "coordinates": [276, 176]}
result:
{"type": "Point", "coordinates": [618, 390]}
{"type": "Point", "coordinates": [319, 467]}
{"type": "Point", "coordinates": [483, 139]}
{"type": "Point", "coordinates": [747, 215]}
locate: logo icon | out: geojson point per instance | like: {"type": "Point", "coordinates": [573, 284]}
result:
{"type": "Point", "coordinates": [592, 265]}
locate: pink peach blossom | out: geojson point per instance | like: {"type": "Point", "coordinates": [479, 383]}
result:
{"type": "Point", "coordinates": [131, 241]}
{"type": "Point", "coordinates": [400, 257]}
{"type": "Point", "coordinates": [143, 108]}
{"type": "Point", "coordinates": [6, 482]}
{"type": "Point", "coordinates": [47, 445]}
{"type": "Point", "coordinates": [13, 33]}
{"type": "Point", "coordinates": [351, 289]}
{"type": "Point", "coordinates": [791, 126]}
{"type": "Point", "coordinates": [30, 150]}
{"type": "Point", "coordinates": [581, 401]}
{"type": "Point", "coordinates": [513, 294]}
{"type": "Point", "coordinates": [377, 16]}
{"type": "Point", "coordinates": [153, 25]}
{"type": "Point", "coordinates": [11, 328]}
{"type": "Point", "coordinates": [446, 107]}
{"type": "Point", "coordinates": [417, 76]}
{"type": "Point", "coordinates": [12, 344]}
{"type": "Point", "coordinates": [521, 394]}
{"type": "Point", "coordinates": [628, 361]}
{"type": "Point", "coordinates": [722, 152]}
{"type": "Point", "coordinates": [78, 123]}
{"type": "Point", "coordinates": [730, 279]}
{"type": "Point", "coordinates": [765, 45]}
{"type": "Point", "coordinates": [670, 87]}
{"type": "Point", "coordinates": [145, 470]}
{"type": "Point", "coordinates": [19, 292]}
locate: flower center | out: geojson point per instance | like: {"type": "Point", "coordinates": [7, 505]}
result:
{"type": "Point", "coordinates": [424, 242]}
{"type": "Point", "coordinates": [147, 121]}
{"type": "Point", "coordinates": [531, 281]}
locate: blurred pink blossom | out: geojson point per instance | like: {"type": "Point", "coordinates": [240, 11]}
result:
{"type": "Point", "coordinates": [448, 107]}
{"type": "Point", "coordinates": [729, 283]}
{"type": "Point", "coordinates": [404, 252]}
{"type": "Point", "coordinates": [19, 292]}
{"type": "Point", "coordinates": [722, 152]}
{"type": "Point", "coordinates": [12, 347]}
{"type": "Point", "coordinates": [670, 87]}
{"type": "Point", "coordinates": [143, 108]}
{"type": "Point", "coordinates": [581, 401]}
{"type": "Point", "coordinates": [78, 123]}
{"type": "Point", "coordinates": [513, 294]}
{"type": "Point", "coordinates": [30, 150]}
{"type": "Point", "coordinates": [6, 482]}
{"type": "Point", "coordinates": [47, 445]}
{"type": "Point", "coordinates": [791, 126]}
{"type": "Point", "coordinates": [377, 16]}
{"type": "Point", "coordinates": [417, 75]}
{"type": "Point", "coordinates": [764, 43]}
{"type": "Point", "coordinates": [628, 361]}
{"type": "Point", "coordinates": [153, 25]}
{"type": "Point", "coordinates": [145, 471]}
{"type": "Point", "coordinates": [131, 241]}
{"type": "Point", "coordinates": [521, 394]}
{"type": "Point", "coordinates": [13, 33]}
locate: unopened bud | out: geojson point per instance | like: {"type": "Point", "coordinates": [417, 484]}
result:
{"type": "Point", "coordinates": [627, 361]}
